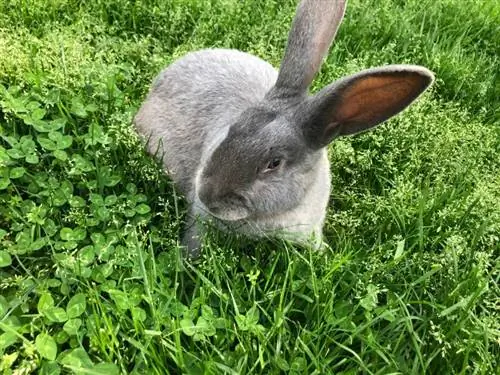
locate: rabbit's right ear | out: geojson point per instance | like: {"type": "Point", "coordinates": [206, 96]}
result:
{"type": "Point", "coordinates": [360, 102]}
{"type": "Point", "coordinates": [313, 29]}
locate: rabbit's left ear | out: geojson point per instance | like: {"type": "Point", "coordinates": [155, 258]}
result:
{"type": "Point", "coordinates": [361, 101]}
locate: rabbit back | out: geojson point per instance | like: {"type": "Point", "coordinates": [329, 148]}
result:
{"type": "Point", "coordinates": [191, 105]}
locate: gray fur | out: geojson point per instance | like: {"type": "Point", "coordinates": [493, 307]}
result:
{"type": "Point", "coordinates": [246, 144]}
{"type": "Point", "coordinates": [194, 101]}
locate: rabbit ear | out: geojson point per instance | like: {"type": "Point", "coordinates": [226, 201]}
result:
{"type": "Point", "coordinates": [313, 29]}
{"type": "Point", "coordinates": [361, 101]}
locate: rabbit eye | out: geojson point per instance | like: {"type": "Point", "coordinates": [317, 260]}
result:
{"type": "Point", "coordinates": [273, 164]}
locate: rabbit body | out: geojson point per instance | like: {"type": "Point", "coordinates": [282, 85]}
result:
{"type": "Point", "coordinates": [189, 110]}
{"type": "Point", "coordinates": [246, 144]}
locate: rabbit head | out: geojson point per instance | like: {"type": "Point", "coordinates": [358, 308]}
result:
{"type": "Point", "coordinates": [262, 166]}
{"type": "Point", "coordinates": [272, 153]}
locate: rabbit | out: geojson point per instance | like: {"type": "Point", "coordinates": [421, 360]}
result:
{"type": "Point", "coordinates": [247, 145]}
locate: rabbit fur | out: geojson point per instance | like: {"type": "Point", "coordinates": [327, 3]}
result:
{"type": "Point", "coordinates": [246, 144]}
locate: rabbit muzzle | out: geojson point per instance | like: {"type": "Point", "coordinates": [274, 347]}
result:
{"type": "Point", "coordinates": [228, 206]}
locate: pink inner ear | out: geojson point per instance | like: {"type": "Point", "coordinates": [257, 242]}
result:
{"type": "Point", "coordinates": [375, 98]}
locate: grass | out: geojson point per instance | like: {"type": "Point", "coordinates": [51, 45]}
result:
{"type": "Point", "coordinates": [91, 279]}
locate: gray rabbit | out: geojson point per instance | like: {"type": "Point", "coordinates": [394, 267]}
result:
{"type": "Point", "coordinates": [247, 144]}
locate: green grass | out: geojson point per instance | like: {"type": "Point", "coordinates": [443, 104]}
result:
{"type": "Point", "coordinates": [91, 277]}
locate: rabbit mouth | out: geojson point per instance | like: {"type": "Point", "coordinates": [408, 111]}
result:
{"type": "Point", "coordinates": [228, 210]}
{"type": "Point", "coordinates": [229, 206]}
{"type": "Point", "coordinates": [225, 213]}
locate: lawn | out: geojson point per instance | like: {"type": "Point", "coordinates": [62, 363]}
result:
{"type": "Point", "coordinates": [91, 275]}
